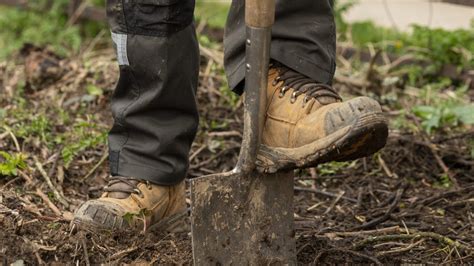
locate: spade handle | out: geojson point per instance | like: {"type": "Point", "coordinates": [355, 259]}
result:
{"type": "Point", "coordinates": [259, 13]}
{"type": "Point", "coordinates": [259, 18]}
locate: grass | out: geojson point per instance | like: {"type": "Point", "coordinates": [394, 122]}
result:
{"type": "Point", "coordinates": [213, 12]}
{"type": "Point", "coordinates": [437, 45]}
{"type": "Point", "coordinates": [29, 26]}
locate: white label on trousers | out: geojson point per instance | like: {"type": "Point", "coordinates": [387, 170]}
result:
{"type": "Point", "coordinates": [120, 41]}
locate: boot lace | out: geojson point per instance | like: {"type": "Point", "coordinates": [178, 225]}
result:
{"type": "Point", "coordinates": [128, 185]}
{"type": "Point", "coordinates": [301, 84]}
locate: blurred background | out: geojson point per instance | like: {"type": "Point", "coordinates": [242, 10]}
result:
{"type": "Point", "coordinates": [58, 71]}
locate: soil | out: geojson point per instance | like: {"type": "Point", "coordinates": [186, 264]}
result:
{"type": "Point", "coordinates": [384, 209]}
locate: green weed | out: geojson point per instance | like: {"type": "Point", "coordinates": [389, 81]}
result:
{"type": "Point", "coordinates": [84, 135]}
{"type": "Point", "coordinates": [443, 181]}
{"type": "Point", "coordinates": [128, 217]}
{"type": "Point", "coordinates": [11, 163]}
{"type": "Point", "coordinates": [440, 113]}
{"type": "Point", "coordinates": [79, 135]}
{"type": "Point", "coordinates": [34, 126]}
{"type": "Point", "coordinates": [332, 168]}
{"type": "Point", "coordinates": [43, 23]}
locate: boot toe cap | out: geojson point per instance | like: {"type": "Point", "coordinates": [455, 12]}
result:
{"type": "Point", "coordinates": [349, 112]}
{"type": "Point", "coordinates": [97, 214]}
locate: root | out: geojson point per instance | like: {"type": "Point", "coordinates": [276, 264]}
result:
{"type": "Point", "coordinates": [414, 235]}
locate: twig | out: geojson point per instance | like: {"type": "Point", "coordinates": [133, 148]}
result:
{"type": "Point", "coordinates": [26, 177]}
{"type": "Point", "coordinates": [212, 158]}
{"type": "Point", "coordinates": [86, 254]}
{"type": "Point", "coordinates": [439, 160]}
{"type": "Point", "coordinates": [387, 214]}
{"type": "Point", "coordinates": [122, 253]}
{"type": "Point", "coordinates": [399, 61]}
{"type": "Point", "coordinates": [84, 53]}
{"type": "Point", "coordinates": [231, 133]}
{"type": "Point", "coordinates": [314, 206]}
{"type": "Point", "coordinates": [50, 184]}
{"type": "Point", "coordinates": [10, 182]}
{"type": "Point", "coordinates": [457, 136]}
{"type": "Point", "coordinates": [77, 14]}
{"type": "Point", "coordinates": [48, 202]}
{"type": "Point", "coordinates": [313, 173]}
{"type": "Point", "coordinates": [391, 229]}
{"type": "Point", "coordinates": [413, 235]}
{"type": "Point", "coordinates": [446, 194]}
{"type": "Point", "coordinates": [15, 141]}
{"type": "Point", "coordinates": [324, 193]}
{"type": "Point", "coordinates": [371, 68]}
{"type": "Point", "coordinates": [39, 259]}
{"type": "Point", "coordinates": [442, 239]}
{"type": "Point", "coordinates": [99, 163]}
{"type": "Point", "coordinates": [55, 162]}
{"type": "Point", "coordinates": [196, 153]}
{"type": "Point", "coordinates": [443, 166]}
{"type": "Point", "coordinates": [460, 203]}
{"type": "Point", "coordinates": [360, 197]}
{"type": "Point", "coordinates": [385, 167]}
{"type": "Point", "coordinates": [355, 253]}
{"type": "Point", "coordinates": [215, 55]}
{"type": "Point", "coordinates": [334, 202]}
{"type": "Point", "coordinates": [398, 250]}
{"type": "Point", "coordinates": [376, 239]}
{"type": "Point", "coordinates": [351, 81]}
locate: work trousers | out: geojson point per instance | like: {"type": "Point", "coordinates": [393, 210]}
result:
{"type": "Point", "coordinates": [154, 103]}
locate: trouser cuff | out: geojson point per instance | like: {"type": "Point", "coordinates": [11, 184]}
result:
{"type": "Point", "coordinates": [291, 60]}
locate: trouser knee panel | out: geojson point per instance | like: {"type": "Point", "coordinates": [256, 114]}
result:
{"type": "Point", "coordinates": [149, 17]}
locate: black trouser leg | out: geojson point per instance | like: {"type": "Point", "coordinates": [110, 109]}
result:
{"type": "Point", "coordinates": [303, 38]}
{"type": "Point", "coordinates": [154, 103]}
{"type": "Point", "coordinates": [154, 106]}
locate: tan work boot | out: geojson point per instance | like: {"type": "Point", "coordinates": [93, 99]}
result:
{"type": "Point", "coordinates": [130, 203]}
{"type": "Point", "coordinates": [307, 123]}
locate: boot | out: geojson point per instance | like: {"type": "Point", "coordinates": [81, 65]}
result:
{"type": "Point", "coordinates": [129, 203]}
{"type": "Point", "coordinates": [307, 123]}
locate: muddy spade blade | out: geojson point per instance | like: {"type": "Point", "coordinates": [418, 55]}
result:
{"type": "Point", "coordinates": [243, 220]}
{"type": "Point", "coordinates": [244, 217]}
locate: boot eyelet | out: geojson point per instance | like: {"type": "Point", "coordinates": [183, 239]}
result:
{"type": "Point", "coordinates": [276, 80]}
{"type": "Point", "coordinates": [282, 91]}
{"type": "Point", "coordinates": [139, 193]}
{"type": "Point", "coordinates": [293, 97]}
{"type": "Point", "coordinates": [148, 185]}
{"type": "Point", "coordinates": [305, 101]}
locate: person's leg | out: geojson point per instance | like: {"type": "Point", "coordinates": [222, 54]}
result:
{"type": "Point", "coordinates": [303, 38]}
{"type": "Point", "coordinates": [155, 115]}
{"type": "Point", "coordinates": [154, 106]}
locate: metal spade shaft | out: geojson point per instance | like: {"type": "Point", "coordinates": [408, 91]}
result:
{"type": "Point", "coordinates": [259, 18]}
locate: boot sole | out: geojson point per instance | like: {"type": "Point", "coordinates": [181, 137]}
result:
{"type": "Point", "coordinates": [175, 223]}
{"type": "Point", "coordinates": [365, 137]}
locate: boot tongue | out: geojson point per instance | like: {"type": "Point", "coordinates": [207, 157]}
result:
{"type": "Point", "coordinates": [121, 187]}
